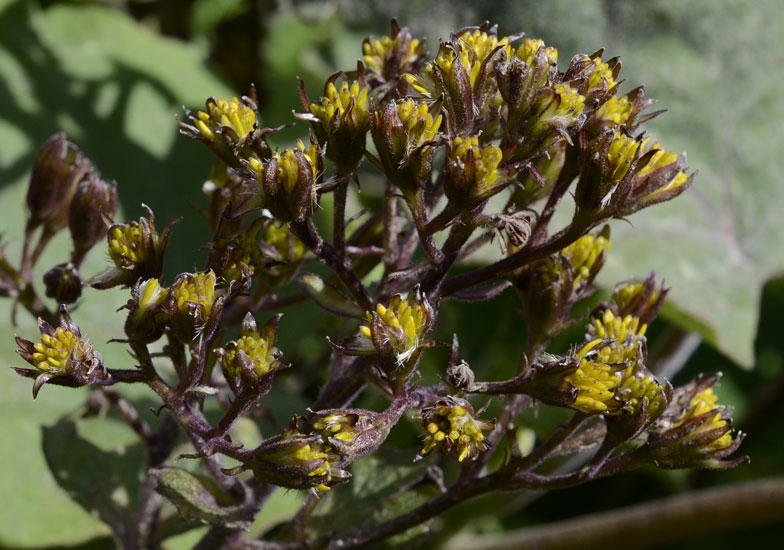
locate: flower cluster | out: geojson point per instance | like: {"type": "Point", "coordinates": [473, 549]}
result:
{"type": "Point", "coordinates": [486, 139]}
{"type": "Point", "coordinates": [451, 424]}
{"type": "Point", "coordinates": [396, 331]}
{"type": "Point", "coordinates": [253, 356]}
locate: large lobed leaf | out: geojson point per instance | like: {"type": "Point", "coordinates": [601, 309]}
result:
{"type": "Point", "coordinates": [116, 87]}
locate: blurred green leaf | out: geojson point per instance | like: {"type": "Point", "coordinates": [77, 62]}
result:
{"type": "Point", "coordinates": [719, 243]}
{"type": "Point", "coordinates": [197, 502]}
{"type": "Point", "coordinates": [105, 483]}
{"type": "Point", "coordinates": [382, 486]}
{"type": "Point", "coordinates": [116, 87]}
{"type": "Point", "coordinates": [714, 69]}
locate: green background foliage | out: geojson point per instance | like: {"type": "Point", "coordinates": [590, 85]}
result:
{"type": "Point", "coordinates": [114, 75]}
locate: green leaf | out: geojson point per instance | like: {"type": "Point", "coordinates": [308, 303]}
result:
{"type": "Point", "coordinates": [116, 87]}
{"type": "Point", "coordinates": [105, 483]}
{"type": "Point", "coordinates": [196, 502]}
{"type": "Point", "coordinates": [382, 486]}
{"type": "Point", "coordinates": [719, 243]}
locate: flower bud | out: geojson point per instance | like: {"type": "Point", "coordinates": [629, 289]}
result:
{"type": "Point", "coordinates": [621, 112]}
{"type": "Point", "coordinates": [347, 434]}
{"type": "Point", "coordinates": [694, 430]}
{"type": "Point", "coordinates": [450, 423]}
{"type": "Point", "coordinates": [537, 183]}
{"type": "Point", "coordinates": [553, 285]}
{"type": "Point", "coordinates": [190, 303]}
{"type": "Point", "coordinates": [148, 315]}
{"type": "Point", "coordinates": [295, 460]}
{"type": "Point", "coordinates": [252, 357]}
{"type": "Point", "coordinates": [627, 174]}
{"type": "Point", "coordinates": [229, 129]}
{"type": "Point", "coordinates": [57, 171]}
{"type": "Point", "coordinates": [136, 250]}
{"type": "Point", "coordinates": [639, 299]}
{"type": "Point", "coordinates": [404, 133]}
{"type": "Point", "coordinates": [62, 352]}
{"type": "Point", "coordinates": [63, 283]}
{"type": "Point", "coordinates": [462, 74]}
{"type": "Point", "coordinates": [239, 256]}
{"type": "Point", "coordinates": [341, 119]}
{"type": "Point", "coordinates": [93, 199]}
{"type": "Point", "coordinates": [472, 172]}
{"type": "Point", "coordinates": [389, 57]}
{"type": "Point", "coordinates": [395, 332]}
{"type": "Point", "coordinates": [460, 376]}
{"type": "Point", "coordinates": [593, 78]}
{"type": "Point", "coordinates": [521, 73]}
{"type": "Point", "coordinates": [288, 182]}
{"type": "Point", "coordinates": [284, 253]}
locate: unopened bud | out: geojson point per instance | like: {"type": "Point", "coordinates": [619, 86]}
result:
{"type": "Point", "coordinates": [93, 199]}
{"type": "Point", "coordinates": [63, 283]}
{"type": "Point", "coordinates": [58, 169]}
{"type": "Point", "coordinates": [147, 315]}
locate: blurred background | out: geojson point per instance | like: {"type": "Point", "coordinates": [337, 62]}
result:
{"type": "Point", "coordinates": [114, 74]}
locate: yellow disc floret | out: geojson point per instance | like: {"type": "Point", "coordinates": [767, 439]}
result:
{"type": "Point", "coordinates": [704, 403]}
{"type": "Point", "coordinates": [420, 125]}
{"type": "Point", "coordinates": [485, 160]}
{"type": "Point", "coordinates": [52, 352]}
{"type": "Point", "coordinates": [602, 74]}
{"type": "Point", "coordinates": [616, 110]}
{"type": "Point", "coordinates": [198, 288]}
{"type": "Point", "coordinates": [232, 113]}
{"type": "Point", "coordinates": [402, 323]}
{"type": "Point", "coordinates": [452, 425]}
{"type": "Point", "coordinates": [583, 253]}
{"type": "Point", "coordinates": [288, 164]}
{"type": "Point", "coordinates": [595, 380]}
{"type": "Point", "coordinates": [337, 101]}
{"type": "Point", "coordinates": [527, 50]}
{"type": "Point", "coordinates": [621, 153]}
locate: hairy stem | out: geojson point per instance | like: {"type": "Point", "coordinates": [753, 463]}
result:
{"type": "Point", "coordinates": [306, 232]}
{"type": "Point", "coordinates": [510, 263]}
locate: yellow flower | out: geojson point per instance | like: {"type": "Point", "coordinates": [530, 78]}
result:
{"type": "Point", "coordinates": [150, 297]}
{"type": "Point", "coordinates": [401, 325]}
{"type": "Point", "coordinates": [583, 253]}
{"type": "Point", "coordinates": [470, 50]}
{"type": "Point", "coordinates": [52, 352]}
{"type": "Point", "coordinates": [420, 126]}
{"type": "Point", "coordinates": [263, 354]}
{"type": "Point", "coordinates": [451, 424]}
{"type": "Point", "coordinates": [527, 50]}
{"type": "Point", "coordinates": [705, 403]}
{"type": "Point", "coordinates": [288, 164]}
{"type": "Point", "coordinates": [253, 355]}
{"type": "Point", "coordinates": [616, 110]}
{"type": "Point", "coordinates": [389, 56]}
{"type": "Point", "coordinates": [306, 453]}
{"type": "Point", "coordinates": [641, 386]}
{"type": "Point", "coordinates": [482, 173]}
{"type": "Point", "coordinates": [621, 153]}
{"type": "Point", "coordinates": [571, 105]}
{"type": "Point", "coordinates": [287, 246]}
{"type": "Point", "coordinates": [231, 113]}
{"type": "Point", "coordinates": [660, 159]}
{"type": "Point", "coordinates": [626, 329]}
{"type": "Point", "coordinates": [196, 289]}
{"type": "Point", "coordinates": [336, 102]}
{"type": "Point", "coordinates": [601, 75]}
{"type": "Point", "coordinates": [596, 380]}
